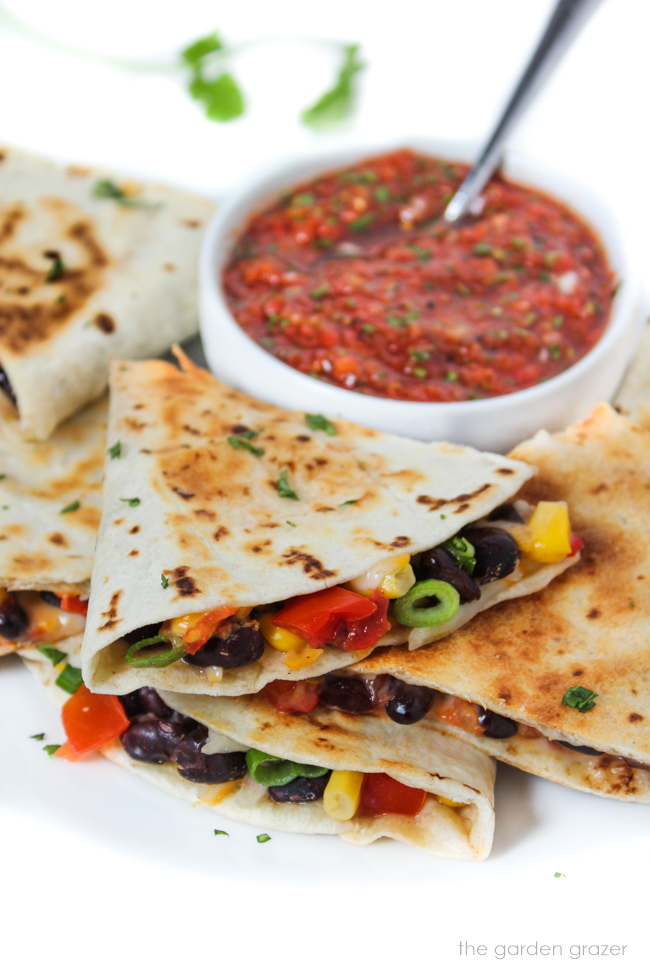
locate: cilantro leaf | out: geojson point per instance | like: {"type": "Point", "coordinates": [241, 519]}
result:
{"type": "Point", "coordinates": [39, 737]}
{"type": "Point", "coordinates": [336, 103]}
{"type": "Point", "coordinates": [106, 189]}
{"type": "Point", "coordinates": [222, 97]}
{"type": "Point", "coordinates": [115, 451]}
{"type": "Point", "coordinates": [244, 442]}
{"type": "Point", "coordinates": [195, 52]}
{"type": "Point", "coordinates": [73, 506]}
{"type": "Point", "coordinates": [51, 749]}
{"type": "Point", "coordinates": [284, 490]}
{"type": "Point", "coordinates": [263, 838]}
{"type": "Point", "coordinates": [580, 698]}
{"type": "Point", "coordinates": [221, 832]}
{"type": "Point", "coordinates": [57, 269]}
{"type": "Point", "coordinates": [164, 581]}
{"type": "Point", "coordinates": [132, 502]}
{"type": "Point", "coordinates": [316, 421]}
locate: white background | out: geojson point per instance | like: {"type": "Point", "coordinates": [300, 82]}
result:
{"type": "Point", "coordinates": [99, 873]}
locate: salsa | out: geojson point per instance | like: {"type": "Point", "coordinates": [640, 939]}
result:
{"type": "Point", "coordinates": [352, 279]}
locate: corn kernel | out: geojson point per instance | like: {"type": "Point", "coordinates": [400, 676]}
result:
{"type": "Point", "coordinates": [179, 625]}
{"type": "Point", "coordinates": [279, 638]}
{"type": "Point", "coordinates": [296, 659]}
{"type": "Point", "coordinates": [450, 802]}
{"type": "Point", "coordinates": [342, 794]}
{"type": "Point", "coordinates": [393, 577]}
{"type": "Point", "coordinates": [547, 536]}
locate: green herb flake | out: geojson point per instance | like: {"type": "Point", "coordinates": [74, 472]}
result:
{"type": "Point", "coordinates": [631, 604]}
{"type": "Point", "coordinates": [70, 679]}
{"type": "Point", "coordinates": [39, 737]}
{"type": "Point", "coordinates": [420, 355]}
{"type": "Point", "coordinates": [221, 832]}
{"type": "Point", "coordinates": [518, 243]}
{"type": "Point", "coordinates": [361, 222]}
{"type": "Point", "coordinates": [420, 373]}
{"type": "Point", "coordinates": [132, 502]}
{"type": "Point", "coordinates": [106, 189]}
{"type": "Point", "coordinates": [303, 200]}
{"type": "Point", "coordinates": [53, 654]}
{"type": "Point", "coordinates": [263, 838]}
{"type": "Point", "coordinates": [292, 523]}
{"type": "Point", "coordinates": [73, 506]}
{"type": "Point", "coordinates": [580, 698]}
{"type": "Point", "coordinates": [284, 490]}
{"type": "Point", "coordinates": [557, 321]}
{"type": "Point", "coordinates": [319, 292]}
{"type": "Point", "coordinates": [336, 104]}
{"type": "Point", "coordinates": [558, 874]}
{"type": "Point", "coordinates": [351, 501]}
{"type": "Point", "coordinates": [381, 194]}
{"type": "Point", "coordinates": [555, 351]}
{"type": "Point", "coordinates": [545, 276]}
{"type": "Point", "coordinates": [243, 442]}
{"type": "Point", "coordinates": [368, 328]}
{"type": "Point", "coordinates": [2, 477]}
{"type": "Point", "coordinates": [51, 749]}
{"type": "Point", "coordinates": [57, 268]}
{"type": "Point", "coordinates": [481, 249]}
{"type": "Point", "coordinates": [221, 97]}
{"type": "Point", "coordinates": [164, 581]}
{"type": "Point", "coordinates": [316, 421]}
{"type": "Point", "coordinates": [451, 376]}
{"type": "Point", "coordinates": [195, 52]}
{"type": "Point", "coordinates": [115, 451]}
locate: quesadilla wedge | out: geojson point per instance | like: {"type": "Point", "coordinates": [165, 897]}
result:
{"type": "Point", "coordinates": [50, 506]}
{"type": "Point", "coordinates": [240, 542]}
{"type": "Point", "coordinates": [90, 267]}
{"type": "Point", "coordinates": [559, 684]}
{"type": "Point", "coordinates": [353, 777]}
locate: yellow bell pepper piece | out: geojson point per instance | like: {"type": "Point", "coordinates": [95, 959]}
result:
{"type": "Point", "coordinates": [393, 577]}
{"type": "Point", "coordinates": [547, 536]}
{"type": "Point", "coordinates": [180, 625]}
{"type": "Point", "coordinates": [279, 638]}
{"type": "Point", "coordinates": [450, 802]}
{"type": "Point", "coordinates": [342, 794]}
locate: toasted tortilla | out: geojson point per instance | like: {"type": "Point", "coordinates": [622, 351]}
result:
{"type": "Point", "coordinates": [419, 756]}
{"type": "Point", "coordinates": [126, 284]}
{"type": "Point", "coordinates": [192, 522]}
{"type": "Point", "coordinates": [589, 628]}
{"type": "Point", "coordinates": [50, 507]}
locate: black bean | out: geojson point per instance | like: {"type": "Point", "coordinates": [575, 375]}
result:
{"type": "Point", "coordinates": [351, 694]}
{"type": "Point", "coordinates": [6, 387]}
{"type": "Point", "coordinates": [301, 789]}
{"type": "Point", "coordinates": [237, 645]}
{"type": "Point", "coordinates": [142, 633]}
{"type": "Point", "coordinates": [437, 563]}
{"type": "Point", "coordinates": [152, 703]}
{"type": "Point", "coordinates": [583, 749]}
{"type": "Point", "coordinates": [506, 512]}
{"type": "Point", "coordinates": [633, 763]}
{"type": "Point", "coordinates": [132, 704]}
{"type": "Point", "coordinates": [408, 703]}
{"type": "Point", "coordinates": [195, 766]}
{"type": "Point", "coordinates": [496, 553]}
{"type": "Point", "coordinates": [496, 725]}
{"type": "Point", "coordinates": [151, 740]}
{"type": "Point", "coordinates": [14, 622]}
{"type": "Point", "coordinates": [50, 597]}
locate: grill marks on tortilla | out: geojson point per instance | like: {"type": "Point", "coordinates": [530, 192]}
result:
{"type": "Point", "coordinates": [110, 615]}
{"type": "Point", "coordinates": [462, 500]}
{"type": "Point", "coordinates": [31, 308]}
{"type": "Point", "coordinates": [311, 566]}
{"type": "Point", "coordinates": [183, 581]}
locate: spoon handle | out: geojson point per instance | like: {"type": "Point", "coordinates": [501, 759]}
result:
{"type": "Point", "coordinates": [565, 21]}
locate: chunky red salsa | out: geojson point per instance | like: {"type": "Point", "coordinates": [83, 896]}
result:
{"type": "Point", "coordinates": [352, 279]}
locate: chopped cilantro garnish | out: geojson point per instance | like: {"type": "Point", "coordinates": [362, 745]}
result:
{"type": "Point", "coordinates": [292, 523]}
{"type": "Point", "coordinates": [70, 679]}
{"type": "Point", "coordinates": [319, 292]}
{"type": "Point", "coordinates": [284, 490]}
{"type": "Point", "coordinates": [336, 104]}
{"type": "Point", "coordinates": [557, 320]}
{"type": "Point", "coordinates": [555, 351]}
{"type": "Point", "coordinates": [53, 654]}
{"type": "Point", "coordinates": [545, 276]}
{"type": "Point", "coordinates": [243, 441]}
{"type": "Point", "coordinates": [351, 501]}
{"type": "Point", "coordinates": [132, 502]}
{"type": "Point", "coordinates": [451, 376]}
{"type": "Point", "coordinates": [221, 832]}
{"type": "Point", "coordinates": [580, 698]}
{"type": "Point", "coordinates": [57, 269]}
{"type": "Point", "coordinates": [361, 222]}
{"type": "Point", "coordinates": [316, 421]}
{"type": "Point", "coordinates": [263, 838]}
{"type": "Point", "coordinates": [115, 451]}
{"type": "Point", "coordinates": [482, 249]}
{"type": "Point", "coordinates": [462, 553]}
{"type": "Point", "coordinates": [303, 200]}
{"type": "Point", "coordinates": [420, 373]}
{"type": "Point", "coordinates": [73, 506]}
{"type": "Point", "coordinates": [164, 581]}
{"type": "Point", "coordinates": [51, 749]}
{"type": "Point", "coordinates": [39, 737]}
{"type": "Point", "coordinates": [558, 874]}
{"type": "Point", "coordinates": [106, 189]}
{"type": "Point", "coordinates": [381, 194]}
{"type": "Point", "coordinates": [195, 52]}
{"type": "Point", "coordinates": [2, 477]}
{"type": "Point", "coordinates": [221, 97]}
{"type": "Point", "coordinates": [420, 355]}
{"type": "Point", "coordinates": [368, 328]}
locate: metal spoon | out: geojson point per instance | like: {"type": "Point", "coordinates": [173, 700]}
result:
{"type": "Point", "coordinates": [566, 19]}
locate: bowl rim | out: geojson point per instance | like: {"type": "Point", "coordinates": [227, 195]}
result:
{"type": "Point", "coordinates": [263, 185]}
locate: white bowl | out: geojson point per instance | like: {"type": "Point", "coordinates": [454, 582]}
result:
{"type": "Point", "coordinates": [496, 423]}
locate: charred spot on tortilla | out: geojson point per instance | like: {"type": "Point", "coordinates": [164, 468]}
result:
{"type": "Point", "coordinates": [323, 508]}
{"type": "Point", "coordinates": [204, 513]}
{"type": "Point", "coordinates": [110, 614]}
{"type": "Point", "coordinates": [186, 495]}
{"type": "Point", "coordinates": [184, 583]}
{"type": "Point", "coordinates": [134, 551]}
{"type": "Point", "coordinates": [504, 470]}
{"type": "Point", "coordinates": [593, 613]}
{"type": "Point", "coordinates": [104, 322]}
{"type": "Point", "coordinates": [311, 566]}
{"type": "Point", "coordinates": [192, 430]}
{"type": "Point", "coordinates": [400, 541]}
{"type": "Point", "coordinates": [303, 438]}
{"type": "Point", "coordinates": [635, 717]}
{"type": "Point", "coordinates": [191, 224]}
{"type": "Point", "coordinates": [57, 539]}
{"type": "Point", "coordinates": [134, 530]}
{"type": "Point", "coordinates": [577, 673]}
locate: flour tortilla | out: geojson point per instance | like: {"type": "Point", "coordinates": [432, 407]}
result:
{"type": "Point", "coordinates": [589, 628]}
{"type": "Point", "coordinates": [207, 518]}
{"type": "Point", "coordinates": [43, 546]}
{"type": "Point", "coordinates": [128, 288]}
{"type": "Point", "coordinates": [419, 756]}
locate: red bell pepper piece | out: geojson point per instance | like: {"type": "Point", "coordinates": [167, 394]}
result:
{"type": "Point", "coordinates": [381, 794]}
{"type": "Point", "coordinates": [320, 616]}
{"type": "Point", "coordinates": [199, 634]}
{"type": "Point", "coordinates": [363, 634]}
{"type": "Point", "coordinates": [576, 543]}
{"type": "Point", "coordinates": [74, 604]}
{"type": "Point", "coordinates": [292, 696]}
{"type": "Point", "coordinates": [90, 721]}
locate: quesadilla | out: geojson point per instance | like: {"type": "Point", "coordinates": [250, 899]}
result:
{"type": "Point", "coordinates": [353, 777]}
{"type": "Point", "coordinates": [50, 506]}
{"type": "Point", "coordinates": [241, 542]}
{"type": "Point", "coordinates": [558, 684]}
{"type": "Point", "coordinates": [90, 267]}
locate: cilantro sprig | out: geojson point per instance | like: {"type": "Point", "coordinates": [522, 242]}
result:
{"type": "Point", "coordinates": [580, 698]}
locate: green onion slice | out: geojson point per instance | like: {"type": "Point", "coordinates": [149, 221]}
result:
{"type": "Point", "coordinates": [161, 659]}
{"type": "Point", "coordinates": [53, 654]}
{"type": "Point", "coordinates": [462, 552]}
{"type": "Point", "coordinates": [70, 679]}
{"type": "Point", "coordinates": [408, 614]}
{"type": "Point", "coordinates": [269, 770]}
